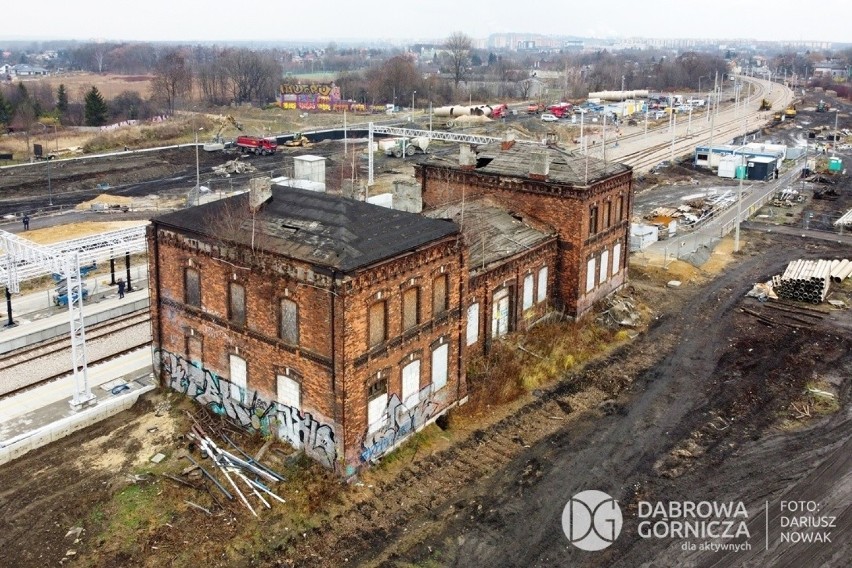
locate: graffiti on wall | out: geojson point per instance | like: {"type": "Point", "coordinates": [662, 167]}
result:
{"type": "Point", "coordinates": [401, 422]}
{"type": "Point", "coordinates": [250, 410]}
{"type": "Point", "coordinates": [323, 89]}
{"type": "Point", "coordinates": [304, 432]}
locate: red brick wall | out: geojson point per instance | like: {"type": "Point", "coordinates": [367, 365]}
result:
{"type": "Point", "coordinates": [564, 208]}
{"type": "Point", "coordinates": [483, 285]}
{"type": "Point", "coordinates": [258, 341]}
{"type": "Point", "coordinates": [387, 282]}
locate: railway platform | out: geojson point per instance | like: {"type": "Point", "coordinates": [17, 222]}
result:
{"type": "Point", "coordinates": [35, 417]}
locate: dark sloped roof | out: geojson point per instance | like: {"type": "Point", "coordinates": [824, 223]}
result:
{"type": "Point", "coordinates": [565, 167]}
{"type": "Point", "coordinates": [314, 227]}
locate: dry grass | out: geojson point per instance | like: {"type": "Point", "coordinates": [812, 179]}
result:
{"type": "Point", "coordinates": [524, 362]}
{"type": "Point", "coordinates": [110, 86]}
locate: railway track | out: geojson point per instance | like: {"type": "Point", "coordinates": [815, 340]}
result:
{"type": "Point", "coordinates": [19, 363]}
{"type": "Point", "coordinates": [727, 124]}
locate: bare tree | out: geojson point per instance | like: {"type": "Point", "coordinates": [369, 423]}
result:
{"type": "Point", "coordinates": [172, 78]}
{"type": "Point", "coordinates": [459, 46]}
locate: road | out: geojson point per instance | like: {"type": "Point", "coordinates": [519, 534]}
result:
{"type": "Point", "coordinates": [753, 196]}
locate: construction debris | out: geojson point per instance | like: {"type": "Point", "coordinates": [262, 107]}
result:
{"type": "Point", "coordinates": [763, 292]}
{"type": "Point", "coordinates": [235, 166]}
{"type": "Point", "coordinates": [804, 281]}
{"type": "Point", "coordinates": [243, 469]}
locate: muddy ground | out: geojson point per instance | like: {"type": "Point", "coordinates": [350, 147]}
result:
{"type": "Point", "coordinates": [699, 408]}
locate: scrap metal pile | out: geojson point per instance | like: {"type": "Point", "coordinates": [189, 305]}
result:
{"type": "Point", "coordinates": [695, 210]}
{"type": "Point", "coordinates": [809, 280]}
{"type": "Point", "coordinates": [244, 475]}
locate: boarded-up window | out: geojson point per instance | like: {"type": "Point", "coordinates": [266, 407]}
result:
{"type": "Point", "coordinates": [616, 258]}
{"type": "Point", "coordinates": [590, 275]}
{"type": "Point", "coordinates": [411, 384]}
{"type": "Point", "coordinates": [472, 324]}
{"type": "Point", "coordinates": [620, 215]}
{"type": "Point", "coordinates": [607, 214]}
{"type": "Point", "coordinates": [194, 349]}
{"type": "Point", "coordinates": [593, 220]}
{"type": "Point", "coordinates": [289, 331]}
{"type": "Point", "coordinates": [440, 357]}
{"type": "Point", "coordinates": [528, 292]}
{"type": "Point", "coordinates": [237, 305]}
{"type": "Point", "coordinates": [410, 311]}
{"type": "Point", "coordinates": [239, 377]}
{"type": "Point", "coordinates": [604, 265]}
{"type": "Point", "coordinates": [439, 295]}
{"type": "Point", "coordinates": [541, 293]}
{"type": "Point", "coordinates": [378, 323]}
{"type": "Point", "coordinates": [289, 391]}
{"type": "Point", "coordinates": [192, 287]}
{"type": "Point", "coordinates": [377, 402]}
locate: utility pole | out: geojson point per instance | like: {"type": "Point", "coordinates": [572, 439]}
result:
{"type": "Point", "coordinates": [740, 192]}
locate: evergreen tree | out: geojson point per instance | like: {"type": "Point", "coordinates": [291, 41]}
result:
{"type": "Point", "coordinates": [62, 100]}
{"type": "Point", "coordinates": [96, 109]}
{"type": "Point", "coordinates": [5, 110]}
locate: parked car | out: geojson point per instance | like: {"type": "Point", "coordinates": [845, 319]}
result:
{"type": "Point", "coordinates": [547, 117]}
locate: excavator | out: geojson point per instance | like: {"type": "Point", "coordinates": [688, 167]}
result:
{"type": "Point", "coordinates": [218, 143]}
{"type": "Point", "coordinates": [765, 105]}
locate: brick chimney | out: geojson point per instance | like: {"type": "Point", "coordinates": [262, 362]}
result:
{"type": "Point", "coordinates": [260, 191]}
{"type": "Point", "coordinates": [508, 141]}
{"type": "Point", "coordinates": [539, 166]}
{"type": "Point", "coordinates": [467, 158]}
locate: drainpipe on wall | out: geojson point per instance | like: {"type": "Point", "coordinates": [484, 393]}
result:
{"type": "Point", "coordinates": [156, 297]}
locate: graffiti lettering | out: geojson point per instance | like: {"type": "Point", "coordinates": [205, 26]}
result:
{"type": "Point", "coordinates": [401, 422]}
{"type": "Point", "coordinates": [324, 89]}
{"type": "Point", "coordinates": [303, 432]}
{"type": "Point", "coordinates": [249, 409]}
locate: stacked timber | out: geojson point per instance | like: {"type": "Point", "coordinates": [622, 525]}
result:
{"type": "Point", "coordinates": [805, 281]}
{"type": "Point", "coordinates": [841, 271]}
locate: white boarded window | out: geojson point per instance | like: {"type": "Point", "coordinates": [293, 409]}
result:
{"type": "Point", "coordinates": [590, 275]}
{"type": "Point", "coordinates": [377, 402]}
{"type": "Point", "coordinates": [541, 292]}
{"type": "Point", "coordinates": [289, 391]}
{"type": "Point", "coordinates": [616, 258]}
{"type": "Point", "coordinates": [604, 265]}
{"type": "Point", "coordinates": [376, 417]}
{"type": "Point", "coordinates": [411, 384]}
{"type": "Point", "coordinates": [238, 377]}
{"type": "Point", "coordinates": [528, 291]}
{"type": "Point", "coordinates": [472, 324]}
{"type": "Point", "coordinates": [440, 358]}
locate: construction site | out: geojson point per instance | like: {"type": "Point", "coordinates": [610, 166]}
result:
{"type": "Point", "coordinates": [722, 352]}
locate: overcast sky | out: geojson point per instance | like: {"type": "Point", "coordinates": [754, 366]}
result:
{"type": "Point", "coordinates": [336, 20]}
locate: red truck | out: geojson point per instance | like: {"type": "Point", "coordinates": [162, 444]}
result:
{"type": "Point", "coordinates": [255, 145]}
{"type": "Point", "coordinates": [561, 110]}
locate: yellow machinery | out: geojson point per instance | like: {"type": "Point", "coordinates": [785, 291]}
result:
{"type": "Point", "coordinates": [765, 105]}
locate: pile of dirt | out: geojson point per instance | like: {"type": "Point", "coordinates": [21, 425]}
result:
{"type": "Point", "coordinates": [106, 200]}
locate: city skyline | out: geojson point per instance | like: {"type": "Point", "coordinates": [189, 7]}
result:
{"type": "Point", "coordinates": [372, 21]}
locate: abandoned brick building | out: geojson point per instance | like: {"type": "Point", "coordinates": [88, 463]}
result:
{"type": "Point", "coordinates": [342, 326]}
{"type": "Point", "coordinates": [585, 203]}
{"type": "Point", "coordinates": [334, 323]}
